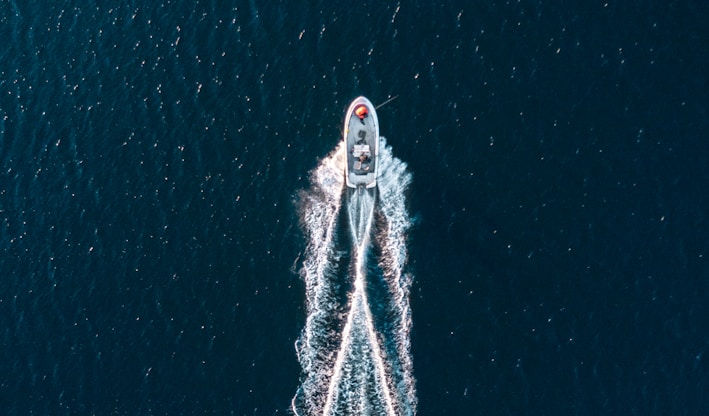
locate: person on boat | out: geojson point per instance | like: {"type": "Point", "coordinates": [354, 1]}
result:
{"type": "Point", "coordinates": [363, 160]}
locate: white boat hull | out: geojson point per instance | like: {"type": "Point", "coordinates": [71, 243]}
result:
{"type": "Point", "coordinates": [361, 137]}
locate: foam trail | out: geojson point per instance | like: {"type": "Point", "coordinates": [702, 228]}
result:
{"type": "Point", "coordinates": [360, 208]}
{"type": "Point", "coordinates": [319, 210]}
{"type": "Point", "coordinates": [355, 360]}
{"type": "Point", "coordinates": [393, 182]}
{"type": "Point", "coordinates": [360, 322]}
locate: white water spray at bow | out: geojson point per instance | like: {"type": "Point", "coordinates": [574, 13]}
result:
{"type": "Point", "coordinates": [354, 349]}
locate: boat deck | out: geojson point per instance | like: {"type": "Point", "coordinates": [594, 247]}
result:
{"type": "Point", "coordinates": [362, 136]}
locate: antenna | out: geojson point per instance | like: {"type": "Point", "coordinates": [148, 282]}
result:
{"type": "Point", "coordinates": [386, 102]}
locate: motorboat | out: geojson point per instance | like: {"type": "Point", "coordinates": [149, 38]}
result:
{"type": "Point", "coordinates": [361, 138]}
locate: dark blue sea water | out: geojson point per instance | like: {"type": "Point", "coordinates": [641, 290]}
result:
{"type": "Point", "coordinates": [152, 154]}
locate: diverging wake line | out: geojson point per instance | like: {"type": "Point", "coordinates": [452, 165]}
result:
{"type": "Point", "coordinates": [355, 348]}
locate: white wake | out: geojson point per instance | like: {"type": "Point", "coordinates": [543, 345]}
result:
{"type": "Point", "coordinates": [355, 348]}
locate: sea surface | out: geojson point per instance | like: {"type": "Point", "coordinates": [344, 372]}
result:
{"type": "Point", "coordinates": [155, 157]}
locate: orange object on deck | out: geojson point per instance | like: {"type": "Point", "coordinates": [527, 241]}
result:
{"type": "Point", "coordinates": [361, 111]}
